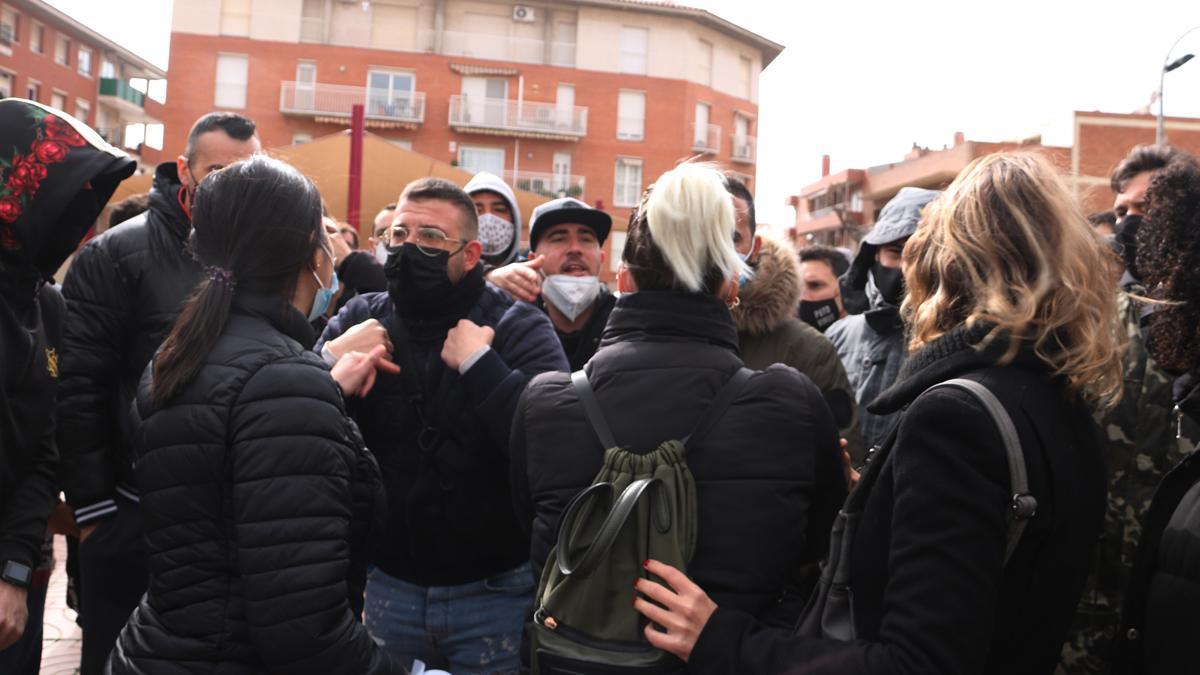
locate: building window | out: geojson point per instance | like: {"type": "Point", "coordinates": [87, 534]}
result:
{"type": "Point", "coordinates": [390, 93]}
{"type": "Point", "coordinates": [62, 51]}
{"type": "Point", "coordinates": [85, 61]}
{"type": "Point", "coordinates": [704, 64]}
{"type": "Point", "coordinates": [616, 240]}
{"type": "Point", "coordinates": [108, 69]}
{"type": "Point", "coordinates": [700, 127]}
{"type": "Point", "coordinates": [235, 18]}
{"type": "Point", "coordinates": [37, 33]}
{"type": "Point", "coordinates": [634, 47]}
{"type": "Point", "coordinates": [476, 159]}
{"type": "Point", "coordinates": [631, 115]}
{"type": "Point", "coordinates": [82, 110]}
{"type": "Point", "coordinates": [312, 21]}
{"type": "Point", "coordinates": [301, 138]}
{"type": "Point", "coordinates": [746, 77]}
{"type": "Point", "coordinates": [33, 91]}
{"type": "Point", "coordinates": [58, 100]}
{"type": "Point", "coordinates": [10, 24]}
{"type": "Point", "coordinates": [232, 77]}
{"type": "Point", "coordinates": [627, 184]}
{"type": "Point", "coordinates": [6, 84]}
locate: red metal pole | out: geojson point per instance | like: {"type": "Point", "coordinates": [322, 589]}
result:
{"type": "Point", "coordinates": [354, 197]}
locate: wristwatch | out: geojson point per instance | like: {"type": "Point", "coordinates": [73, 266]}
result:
{"type": "Point", "coordinates": [17, 574]}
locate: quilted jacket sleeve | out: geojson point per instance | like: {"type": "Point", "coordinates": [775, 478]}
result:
{"type": "Point", "coordinates": [94, 343]}
{"type": "Point", "coordinates": [292, 511]}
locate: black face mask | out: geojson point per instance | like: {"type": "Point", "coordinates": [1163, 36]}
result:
{"type": "Point", "coordinates": [1125, 234]}
{"type": "Point", "coordinates": [819, 314]}
{"type": "Point", "coordinates": [890, 282]}
{"type": "Point", "coordinates": [420, 285]}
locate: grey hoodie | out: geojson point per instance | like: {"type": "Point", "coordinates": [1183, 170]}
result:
{"type": "Point", "coordinates": [490, 181]}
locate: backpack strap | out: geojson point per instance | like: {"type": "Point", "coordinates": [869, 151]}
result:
{"type": "Point", "coordinates": [587, 396]}
{"type": "Point", "coordinates": [606, 535]}
{"type": "Point", "coordinates": [1023, 505]}
{"type": "Point", "coordinates": [718, 407]}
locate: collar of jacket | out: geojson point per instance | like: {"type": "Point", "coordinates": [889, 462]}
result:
{"type": "Point", "coordinates": [670, 316]}
{"type": "Point", "coordinates": [773, 295]}
{"type": "Point", "coordinates": [164, 201]}
{"type": "Point", "coordinates": [955, 353]}
{"type": "Point", "coordinates": [283, 316]}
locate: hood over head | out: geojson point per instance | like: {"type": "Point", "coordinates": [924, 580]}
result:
{"type": "Point", "coordinates": [773, 295]}
{"type": "Point", "coordinates": [491, 182]}
{"type": "Point", "coordinates": [47, 158]}
{"type": "Point", "coordinates": [898, 220]}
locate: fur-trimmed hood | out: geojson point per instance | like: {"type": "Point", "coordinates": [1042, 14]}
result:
{"type": "Point", "coordinates": [773, 295]}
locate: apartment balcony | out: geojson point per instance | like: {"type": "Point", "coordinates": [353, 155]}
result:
{"type": "Point", "coordinates": [548, 185]}
{"type": "Point", "coordinates": [122, 97]}
{"type": "Point", "coordinates": [333, 103]}
{"type": "Point", "coordinates": [706, 139]}
{"type": "Point", "coordinates": [744, 149]}
{"type": "Point", "coordinates": [114, 136]}
{"type": "Point", "coordinates": [522, 119]}
{"type": "Point", "coordinates": [499, 48]}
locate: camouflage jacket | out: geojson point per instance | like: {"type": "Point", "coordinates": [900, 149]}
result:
{"type": "Point", "coordinates": [1141, 446]}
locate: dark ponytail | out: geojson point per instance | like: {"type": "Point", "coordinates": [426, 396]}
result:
{"type": "Point", "coordinates": [256, 224]}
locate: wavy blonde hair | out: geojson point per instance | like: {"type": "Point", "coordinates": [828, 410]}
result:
{"type": "Point", "coordinates": [1007, 244]}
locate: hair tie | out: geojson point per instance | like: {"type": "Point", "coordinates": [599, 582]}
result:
{"type": "Point", "coordinates": [222, 276]}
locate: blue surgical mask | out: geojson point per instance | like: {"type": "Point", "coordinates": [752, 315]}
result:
{"type": "Point", "coordinates": [323, 297]}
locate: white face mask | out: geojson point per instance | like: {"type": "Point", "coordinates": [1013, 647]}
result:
{"type": "Point", "coordinates": [496, 234]}
{"type": "Point", "coordinates": [569, 294]}
{"type": "Point", "coordinates": [381, 253]}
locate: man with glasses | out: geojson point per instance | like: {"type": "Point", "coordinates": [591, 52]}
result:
{"type": "Point", "coordinates": [452, 582]}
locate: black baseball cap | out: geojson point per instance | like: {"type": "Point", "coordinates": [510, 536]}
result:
{"type": "Point", "coordinates": [568, 210]}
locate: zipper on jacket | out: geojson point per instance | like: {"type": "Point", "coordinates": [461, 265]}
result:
{"type": "Point", "coordinates": [1178, 422]}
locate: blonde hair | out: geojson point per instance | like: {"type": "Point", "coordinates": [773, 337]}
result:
{"type": "Point", "coordinates": [689, 216]}
{"type": "Point", "coordinates": [1006, 244]}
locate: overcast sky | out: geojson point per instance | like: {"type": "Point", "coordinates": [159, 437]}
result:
{"type": "Point", "coordinates": [863, 81]}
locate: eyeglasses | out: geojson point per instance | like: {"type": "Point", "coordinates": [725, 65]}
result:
{"type": "Point", "coordinates": [429, 240]}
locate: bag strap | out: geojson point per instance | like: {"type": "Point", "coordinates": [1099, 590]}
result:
{"type": "Point", "coordinates": [591, 406]}
{"type": "Point", "coordinates": [598, 548]}
{"type": "Point", "coordinates": [721, 403]}
{"type": "Point", "coordinates": [718, 407]}
{"type": "Point", "coordinates": [1023, 505]}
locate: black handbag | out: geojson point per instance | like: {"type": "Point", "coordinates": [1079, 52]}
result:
{"type": "Point", "coordinates": [830, 610]}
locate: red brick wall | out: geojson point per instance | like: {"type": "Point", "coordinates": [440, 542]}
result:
{"type": "Point", "coordinates": [41, 67]}
{"type": "Point", "coordinates": [1102, 146]}
{"type": "Point", "coordinates": [669, 107]}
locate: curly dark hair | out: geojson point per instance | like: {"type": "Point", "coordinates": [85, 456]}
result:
{"type": "Point", "coordinates": [1168, 252]}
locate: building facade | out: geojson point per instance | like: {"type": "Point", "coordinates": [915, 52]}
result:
{"type": "Point", "coordinates": [47, 56]}
{"type": "Point", "coordinates": [838, 209]}
{"type": "Point", "coordinates": [588, 98]}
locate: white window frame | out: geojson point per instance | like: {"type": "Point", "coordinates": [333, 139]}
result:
{"type": "Point", "coordinates": [62, 39]}
{"type": "Point", "coordinates": [707, 48]}
{"type": "Point", "coordinates": [641, 136]}
{"type": "Point", "coordinates": [38, 29]}
{"type": "Point", "coordinates": [12, 78]}
{"type": "Point", "coordinates": [391, 90]}
{"type": "Point", "coordinates": [644, 54]}
{"type": "Point", "coordinates": [65, 97]}
{"type": "Point", "coordinates": [222, 27]}
{"type": "Point", "coordinates": [108, 68]}
{"type": "Point", "coordinates": [79, 59]}
{"type": "Point", "coordinates": [491, 148]}
{"type": "Point", "coordinates": [16, 26]}
{"type": "Point", "coordinates": [30, 82]}
{"type": "Point", "coordinates": [619, 189]}
{"type": "Point", "coordinates": [217, 101]}
{"type": "Point", "coordinates": [87, 106]}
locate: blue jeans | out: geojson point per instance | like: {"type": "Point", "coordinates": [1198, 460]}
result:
{"type": "Point", "coordinates": [470, 629]}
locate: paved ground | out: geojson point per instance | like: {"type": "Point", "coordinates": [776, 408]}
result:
{"type": "Point", "coordinates": [61, 639]}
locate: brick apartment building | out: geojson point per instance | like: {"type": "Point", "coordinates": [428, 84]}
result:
{"type": "Point", "coordinates": [47, 56]}
{"type": "Point", "coordinates": [838, 209]}
{"type": "Point", "coordinates": [592, 98]}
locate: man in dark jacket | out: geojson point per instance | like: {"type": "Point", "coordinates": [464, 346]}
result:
{"type": "Point", "coordinates": [60, 177]}
{"type": "Point", "coordinates": [567, 238]}
{"type": "Point", "coordinates": [123, 292]}
{"type": "Point", "coordinates": [453, 555]}
{"type": "Point", "coordinates": [871, 345]}
{"type": "Point", "coordinates": [768, 329]}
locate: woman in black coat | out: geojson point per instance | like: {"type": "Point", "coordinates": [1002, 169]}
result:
{"type": "Point", "coordinates": [1159, 620]}
{"type": "Point", "coordinates": [1007, 286]}
{"type": "Point", "coordinates": [768, 474]}
{"type": "Point", "coordinates": [258, 493]}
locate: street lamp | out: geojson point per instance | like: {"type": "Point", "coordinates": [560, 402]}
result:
{"type": "Point", "coordinates": [1160, 138]}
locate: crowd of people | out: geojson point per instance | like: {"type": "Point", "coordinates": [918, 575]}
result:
{"type": "Point", "coordinates": [967, 447]}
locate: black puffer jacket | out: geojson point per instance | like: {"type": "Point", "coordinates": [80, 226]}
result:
{"type": "Point", "coordinates": [259, 500]}
{"type": "Point", "coordinates": [768, 476]}
{"type": "Point", "coordinates": [123, 292]}
{"type": "Point", "coordinates": [931, 592]}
